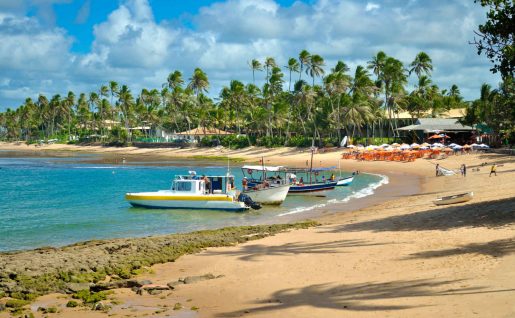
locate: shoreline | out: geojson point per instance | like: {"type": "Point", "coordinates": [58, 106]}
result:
{"type": "Point", "coordinates": [395, 257]}
{"type": "Point", "coordinates": [398, 183]}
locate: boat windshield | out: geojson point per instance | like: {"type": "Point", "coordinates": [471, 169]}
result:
{"type": "Point", "coordinates": [183, 186]}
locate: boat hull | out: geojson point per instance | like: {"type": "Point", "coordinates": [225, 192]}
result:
{"type": "Point", "coordinates": [311, 189]}
{"type": "Point", "coordinates": [159, 200]}
{"type": "Point", "coordinates": [271, 196]}
{"type": "Point", "coordinates": [344, 182]}
{"type": "Point", "coordinates": [460, 198]}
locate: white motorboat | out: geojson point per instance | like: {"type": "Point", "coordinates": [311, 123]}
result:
{"type": "Point", "coordinates": [270, 190]}
{"type": "Point", "coordinates": [192, 192]}
{"type": "Point", "coordinates": [344, 181]}
{"type": "Point", "coordinates": [452, 199]}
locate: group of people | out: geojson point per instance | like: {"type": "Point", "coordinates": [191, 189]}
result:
{"type": "Point", "coordinates": [463, 170]}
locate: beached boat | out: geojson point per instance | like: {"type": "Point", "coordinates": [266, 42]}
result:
{"type": "Point", "coordinates": [344, 181]}
{"type": "Point", "coordinates": [270, 189]}
{"type": "Point", "coordinates": [452, 199]}
{"type": "Point", "coordinates": [192, 192]}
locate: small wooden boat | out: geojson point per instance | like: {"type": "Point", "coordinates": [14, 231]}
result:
{"type": "Point", "coordinates": [266, 189]}
{"type": "Point", "coordinates": [452, 199]}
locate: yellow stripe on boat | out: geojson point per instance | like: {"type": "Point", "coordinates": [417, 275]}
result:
{"type": "Point", "coordinates": [177, 198]}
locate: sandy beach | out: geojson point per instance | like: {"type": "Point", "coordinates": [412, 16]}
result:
{"type": "Point", "coordinates": [401, 257]}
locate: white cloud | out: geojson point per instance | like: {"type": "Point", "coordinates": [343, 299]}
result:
{"type": "Point", "coordinates": [131, 47]}
{"type": "Point", "coordinates": [372, 6]}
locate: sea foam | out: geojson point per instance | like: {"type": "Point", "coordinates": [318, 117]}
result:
{"type": "Point", "coordinates": [367, 191]}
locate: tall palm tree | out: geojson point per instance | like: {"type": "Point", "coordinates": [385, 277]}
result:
{"type": "Point", "coordinates": [421, 64]}
{"type": "Point", "coordinates": [376, 64]}
{"type": "Point", "coordinates": [304, 58]}
{"type": "Point", "coordinates": [255, 65]}
{"type": "Point", "coordinates": [174, 80]}
{"type": "Point", "coordinates": [199, 83]}
{"type": "Point", "coordinates": [314, 67]}
{"type": "Point", "coordinates": [269, 65]}
{"type": "Point", "coordinates": [293, 66]}
{"type": "Point", "coordinates": [126, 102]}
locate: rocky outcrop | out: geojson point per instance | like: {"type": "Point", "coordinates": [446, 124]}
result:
{"type": "Point", "coordinates": [45, 270]}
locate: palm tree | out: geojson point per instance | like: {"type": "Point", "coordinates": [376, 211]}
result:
{"type": "Point", "coordinates": [255, 65]}
{"type": "Point", "coordinates": [421, 64]}
{"type": "Point", "coordinates": [114, 89]}
{"type": "Point", "coordinates": [377, 64]}
{"type": "Point", "coordinates": [314, 67]}
{"type": "Point", "coordinates": [269, 65]}
{"type": "Point", "coordinates": [293, 66]}
{"type": "Point", "coordinates": [174, 80]}
{"type": "Point", "coordinates": [126, 102]}
{"type": "Point", "coordinates": [304, 58]}
{"type": "Point", "coordinates": [199, 82]}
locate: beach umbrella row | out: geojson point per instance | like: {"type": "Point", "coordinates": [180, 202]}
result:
{"type": "Point", "coordinates": [423, 146]}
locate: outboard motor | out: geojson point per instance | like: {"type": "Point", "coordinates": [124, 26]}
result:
{"type": "Point", "coordinates": [248, 201]}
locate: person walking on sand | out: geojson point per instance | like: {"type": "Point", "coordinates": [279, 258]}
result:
{"type": "Point", "coordinates": [437, 169]}
{"type": "Point", "coordinates": [464, 171]}
{"type": "Point", "coordinates": [493, 170]}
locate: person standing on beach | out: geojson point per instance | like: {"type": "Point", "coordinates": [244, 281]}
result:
{"type": "Point", "coordinates": [464, 172]}
{"type": "Point", "coordinates": [493, 170]}
{"type": "Point", "coordinates": [437, 169]}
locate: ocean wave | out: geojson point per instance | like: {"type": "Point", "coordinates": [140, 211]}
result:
{"type": "Point", "coordinates": [365, 192]}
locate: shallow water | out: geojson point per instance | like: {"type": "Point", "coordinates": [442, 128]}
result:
{"type": "Point", "coordinates": [48, 201]}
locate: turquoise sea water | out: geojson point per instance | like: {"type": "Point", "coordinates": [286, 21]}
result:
{"type": "Point", "coordinates": [56, 201]}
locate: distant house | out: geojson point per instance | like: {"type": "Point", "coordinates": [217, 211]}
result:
{"type": "Point", "coordinates": [431, 125]}
{"type": "Point", "coordinates": [200, 132]}
{"type": "Point", "coordinates": [450, 126]}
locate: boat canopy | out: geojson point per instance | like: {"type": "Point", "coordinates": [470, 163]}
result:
{"type": "Point", "coordinates": [264, 168]}
{"type": "Point", "coordinates": [307, 170]}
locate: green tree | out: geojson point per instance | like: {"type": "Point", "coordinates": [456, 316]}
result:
{"type": "Point", "coordinates": [495, 38]}
{"type": "Point", "coordinates": [255, 65]}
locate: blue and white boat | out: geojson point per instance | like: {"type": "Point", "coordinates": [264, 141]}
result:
{"type": "Point", "coordinates": [344, 181]}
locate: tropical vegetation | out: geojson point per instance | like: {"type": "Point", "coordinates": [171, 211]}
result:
{"type": "Point", "coordinates": [300, 102]}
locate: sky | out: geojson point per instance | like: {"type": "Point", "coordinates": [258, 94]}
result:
{"type": "Point", "coordinates": [54, 46]}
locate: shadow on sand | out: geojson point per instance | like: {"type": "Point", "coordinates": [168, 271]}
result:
{"type": "Point", "coordinates": [358, 297]}
{"type": "Point", "coordinates": [253, 252]}
{"type": "Point", "coordinates": [484, 214]}
{"type": "Point", "coordinates": [497, 248]}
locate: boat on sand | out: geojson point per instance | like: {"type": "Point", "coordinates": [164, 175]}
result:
{"type": "Point", "coordinates": [452, 199]}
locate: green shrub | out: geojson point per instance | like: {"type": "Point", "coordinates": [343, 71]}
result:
{"type": "Point", "coordinates": [16, 303]}
{"type": "Point", "coordinates": [72, 304]}
{"type": "Point", "coordinates": [89, 298]}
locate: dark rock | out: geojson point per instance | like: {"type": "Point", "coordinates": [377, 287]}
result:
{"type": "Point", "coordinates": [154, 291]}
{"type": "Point", "coordinates": [195, 279]}
{"type": "Point", "coordinates": [172, 285]}
{"type": "Point", "coordinates": [101, 306]}
{"type": "Point", "coordinates": [72, 288]}
{"type": "Point", "coordinates": [124, 283]}
{"type": "Point", "coordinates": [144, 282]}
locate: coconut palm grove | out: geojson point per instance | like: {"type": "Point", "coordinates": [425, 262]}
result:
{"type": "Point", "coordinates": [290, 109]}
